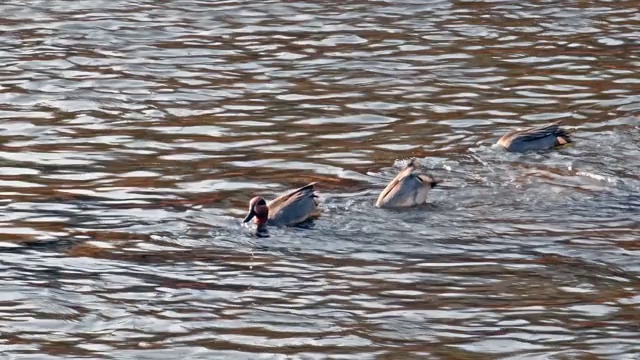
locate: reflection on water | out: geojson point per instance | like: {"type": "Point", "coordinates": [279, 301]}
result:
{"type": "Point", "coordinates": [133, 134]}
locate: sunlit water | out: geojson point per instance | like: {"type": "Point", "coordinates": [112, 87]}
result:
{"type": "Point", "coordinates": [133, 134]}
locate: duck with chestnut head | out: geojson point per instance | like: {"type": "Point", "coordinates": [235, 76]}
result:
{"type": "Point", "coordinates": [289, 209]}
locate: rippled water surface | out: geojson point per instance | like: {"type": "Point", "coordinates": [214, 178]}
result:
{"type": "Point", "coordinates": [134, 132]}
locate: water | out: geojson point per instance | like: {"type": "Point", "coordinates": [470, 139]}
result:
{"type": "Point", "coordinates": [133, 134]}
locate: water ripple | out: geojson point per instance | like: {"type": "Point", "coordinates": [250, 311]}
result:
{"type": "Point", "coordinates": [134, 133]}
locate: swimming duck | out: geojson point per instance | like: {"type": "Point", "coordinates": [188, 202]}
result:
{"type": "Point", "coordinates": [535, 138]}
{"type": "Point", "coordinates": [287, 210]}
{"type": "Point", "coordinates": [408, 188]}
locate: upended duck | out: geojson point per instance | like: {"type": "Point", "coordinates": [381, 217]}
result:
{"type": "Point", "coordinates": [287, 210]}
{"type": "Point", "coordinates": [535, 138]}
{"type": "Point", "coordinates": [407, 189]}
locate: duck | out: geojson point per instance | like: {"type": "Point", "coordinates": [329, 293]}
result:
{"type": "Point", "coordinates": [535, 138]}
{"type": "Point", "coordinates": [290, 209]}
{"type": "Point", "coordinates": [408, 188]}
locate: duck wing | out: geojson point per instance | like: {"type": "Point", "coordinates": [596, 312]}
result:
{"type": "Point", "coordinates": [540, 132]}
{"type": "Point", "coordinates": [293, 207]}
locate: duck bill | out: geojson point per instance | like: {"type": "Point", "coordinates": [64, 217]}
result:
{"type": "Point", "coordinates": [249, 216]}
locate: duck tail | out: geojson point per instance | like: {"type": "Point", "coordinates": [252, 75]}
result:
{"type": "Point", "coordinates": [563, 137]}
{"type": "Point", "coordinates": [412, 163]}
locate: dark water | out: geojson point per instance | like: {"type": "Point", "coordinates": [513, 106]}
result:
{"type": "Point", "coordinates": [133, 133]}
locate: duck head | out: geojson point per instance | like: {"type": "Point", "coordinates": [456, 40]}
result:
{"type": "Point", "coordinates": [258, 208]}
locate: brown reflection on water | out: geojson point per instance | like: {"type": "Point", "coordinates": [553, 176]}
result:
{"type": "Point", "coordinates": [133, 134]}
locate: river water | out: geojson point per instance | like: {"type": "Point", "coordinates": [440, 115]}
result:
{"type": "Point", "coordinates": [134, 132]}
